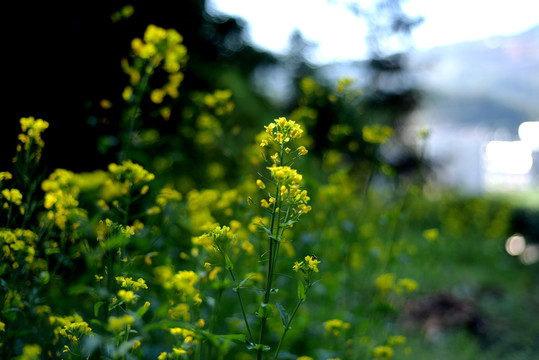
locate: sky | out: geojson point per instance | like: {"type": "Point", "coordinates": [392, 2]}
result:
{"type": "Point", "coordinates": [332, 26]}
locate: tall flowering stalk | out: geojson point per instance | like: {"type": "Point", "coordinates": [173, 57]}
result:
{"type": "Point", "coordinates": [287, 204]}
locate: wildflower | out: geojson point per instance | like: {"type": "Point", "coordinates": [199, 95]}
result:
{"type": "Point", "coordinates": [2, 326]}
{"type": "Point", "coordinates": [396, 340]}
{"type": "Point", "coordinates": [377, 134]}
{"type": "Point", "coordinates": [385, 282]}
{"type": "Point", "coordinates": [335, 326]}
{"type": "Point", "coordinates": [302, 150]}
{"type": "Point", "coordinates": [431, 234]}
{"type": "Point", "coordinates": [305, 358]}
{"type": "Point", "coordinates": [407, 284]}
{"type": "Point", "coordinates": [383, 352]}
{"type": "Point", "coordinates": [4, 175]}
{"type": "Point", "coordinates": [260, 184]}
{"type": "Point", "coordinates": [179, 351]}
{"type": "Point", "coordinates": [162, 356]}
{"type": "Point", "coordinates": [120, 323]}
{"type": "Point", "coordinates": [30, 352]}
{"type": "Point", "coordinates": [127, 295]}
{"type": "Point", "coordinates": [312, 262]}
{"type": "Point", "coordinates": [13, 196]}
{"type": "Point", "coordinates": [136, 344]}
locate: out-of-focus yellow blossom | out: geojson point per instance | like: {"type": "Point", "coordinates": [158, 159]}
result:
{"type": "Point", "coordinates": [385, 282]}
{"type": "Point", "coordinates": [376, 134]}
{"type": "Point", "coordinates": [309, 86]}
{"type": "Point", "coordinates": [4, 175]}
{"type": "Point", "coordinates": [178, 351]}
{"type": "Point", "coordinates": [408, 285]}
{"type": "Point", "coordinates": [127, 296]}
{"type": "Point", "coordinates": [130, 172]}
{"type": "Point", "coordinates": [33, 129]}
{"type": "Point", "coordinates": [12, 196]}
{"type": "Point", "coordinates": [260, 184]}
{"type": "Point", "coordinates": [305, 358]}
{"type": "Point", "coordinates": [17, 245]}
{"type": "Point", "coordinates": [180, 312]}
{"type": "Point", "coordinates": [129, 283]}
{"type": "Point", "coordinates": [30, 352]}
{"type": "Point", "coordinates": [396, 340]}
{"type": "Point", "coordinates": [383, 352]}
{"type": "Point", "coordinates": [431, 234]}
{"type": "Point", "coordinates": [335, 326]}
{"type": "Point", "coordinates": [118, 324]}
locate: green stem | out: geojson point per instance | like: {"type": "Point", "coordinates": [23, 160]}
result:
{"type": "Point", "coordinates": [237, 288]}
{"type": "Point", "coordinates": [124, 155]}
{"type": "Point", "coordinates": [271, 265]}
{"type": "Point", "coordinates": [287, 327]}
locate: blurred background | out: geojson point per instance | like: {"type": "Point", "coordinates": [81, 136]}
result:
{"type": "Point", "coordinates": [466, 72]}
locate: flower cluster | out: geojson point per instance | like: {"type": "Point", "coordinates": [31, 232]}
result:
{"type": "Point", "coordinates": [388, 281]}
{"type": "Point", "coordinates": [71, 327]}
{"type": "Point", "coordinates": [130, 174]}
{"type": "Point", "coordinates": [61, 193]}
{"type": "Point", "coordinates": [308, 266]}
{"type": "Point", "coordinates": [376, 134]}
{"type": "Point", "coordinates": [16, 245]}
{"type": "Point", "coordinates": [31, 133]}
{"type": "Point", "coordinates": [281, 131]}
{"type": "Point", "coordinates": [334, 327]}
{"type": "Point", "coordinates": [160, 48]}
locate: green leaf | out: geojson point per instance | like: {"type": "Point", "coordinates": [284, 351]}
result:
{"type": "Point", "coordinates": [244, 281]}
{"type": "Point", "coordinates": [97, 306]}
{"type": "Point", "coordinates": [100, 323]}
{"type": "Point", "coordinates": [284, 314]}
{"type": "Point", "coordinates": [264, 311]}
{"type": "Point", "coordinates": [229, 265]}
{"type": "Point", "coordinates": [141, 311]}
{"type": "Point", "coordinates": [251, 346]}
{"type": "Point", "coordinates": [301, 291]}
{"type": "Point", "coordinates": [51, 251]}
{"type": "Point", "coordinates": [288, 223]}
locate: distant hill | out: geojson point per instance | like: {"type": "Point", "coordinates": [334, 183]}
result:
{"type": "Point", "coordinates": [492, 82]}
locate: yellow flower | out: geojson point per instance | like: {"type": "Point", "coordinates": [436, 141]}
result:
{"type": "Point", "coordinates": [260, 184]}
{"type": "Point", "coordinates": [12, 195]}
{"type": "Point", "coordinates": [119, 323]}
{"type": "Point", "coordinates": [312, 262]}
{"type": "Point", "coordinates": [408, 284]}
{"type": "Point", "coordinates": [431, 234]}
{"type": "Point", "coordinates": [4, 175]}
{"type": "Point", "coordinates": [30, 352]}
{"type": "Point", "coordinates": [383, 352]}
{"type": "Point", "coordinates": [127, 295]}
{"type": "Point", "coordinates": [2, 326]}
{"type": "Point", "coordinates": [385, 282]}
{"type": "Point", "coordinates": [162, 356]}
{"type": "Point", "coordinates": [396, 340]}
{"type": "Point", "coordinates": [178, 351]}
